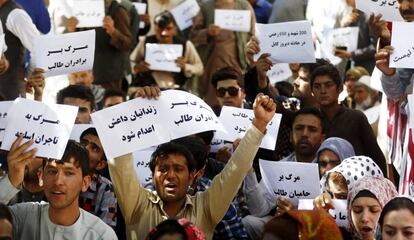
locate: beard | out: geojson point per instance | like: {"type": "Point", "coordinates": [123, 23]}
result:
{"type": "Point", "coordinates": [31, 176]}
{"type": "Point", "coordinates": [367, 103]}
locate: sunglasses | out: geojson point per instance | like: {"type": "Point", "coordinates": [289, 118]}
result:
{"type": "Point", "coordinates": [233, 91]}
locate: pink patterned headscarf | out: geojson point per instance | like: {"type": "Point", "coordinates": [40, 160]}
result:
{"type": "Point", "coordinates": [382, 188]}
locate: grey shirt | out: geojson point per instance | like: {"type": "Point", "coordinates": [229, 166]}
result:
{"type": "Point", "coordinates": [31, 221]}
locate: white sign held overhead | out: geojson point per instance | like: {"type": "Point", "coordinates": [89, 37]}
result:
{"type": "Point", "coordinates": [288, 42]}
{"type": "Point", "coordinates": [403, 54]}
{"type": "Point", "coordinates": [233, 20]}
{"type": "Point", "coordinates": [78, 129]}
{"type": "Point", "coordinates": [162, 57]}
{"type": "Point", "coordinates": [279, 72]}
{"type": "Point", "coordinates": [142, 123]}
{"type": "Point", "coordinates": [48, 126]}
{"type": "Point", "coordinates": [291, 180]}
{"type": "Point", "coordinates": [236, 121]}
{"type": "Point", "coordinates": [90, 13]}
{"type": "Point", "coordinates": [388, 8]}
{"type": "Point", "coordinates": [184, 13]}
{"type": "Point", "coordinates": [65, 53]}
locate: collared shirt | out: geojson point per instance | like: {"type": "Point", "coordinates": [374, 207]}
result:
{"type": "Point", "coordinates": [231, 226]}
{"type": "Point", "coordinates": [100, 199]}
{"type": "Point", "coordinates": [31, 220]}
{"type": "Point", "coordinates": [143, 209]}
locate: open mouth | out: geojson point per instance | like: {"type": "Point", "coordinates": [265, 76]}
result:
{"type": "Point", "coordinates": [58, 193]}
{"type": "Point", "coordinates": [170, 187]}
{"type": "Point", "coordinates": [366, 230]}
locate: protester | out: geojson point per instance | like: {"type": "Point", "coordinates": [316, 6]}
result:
{"type": "Point", "coordinates": [338, 181]}
{"type": "Point", "coordinates": [112, 98]}
{"type": "Point", "coordinates": [366, 199]}
{"type": "Point", "coordinates": [351, 77]}
{"type": "Point", "coordinates": [19, 32]}
{"type": "Point", "coordinates": [85, 78]}
{"type": "Point", "coordinates": [302, 224]}
{"type": "Point", "coordinates": [80, 96]}
{"type": "Point", "coordinates": [397, 219]}
{"type": "Point", "coordinates": [262, 10]}
{"type": "Point", "coordinates": [165, 33]}
{"type": "Point", "coordinates": [365, 97]}
{"type": "Point", "coordinates": [332, 152]}
{"type": "Point", "coordinates": [63, 181]}
{"type": "Point", "coordinates": [173, 166]}
{"type": "Point", "coordinates": [176, 229]}
{"type": "Point", "coordinates": [99, 199]}
{"type": "Point", "coordinates": [326, 85]}
{"type": "Point", "coordinates": [218, 47]}
{"type": "Point", "coordinates": [307, 135]}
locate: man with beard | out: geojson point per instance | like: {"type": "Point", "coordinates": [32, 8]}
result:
{"type": "Point", "coordinates": [64, 179]}
{"type": "Point", "coordinates": [306, 137]}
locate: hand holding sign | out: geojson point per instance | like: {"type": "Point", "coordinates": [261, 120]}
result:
{"type": "Point", "coordinates": [17, 159]}
{"type": "Point", "coordinates": [403, 54]}
{"type": "Point", "coordinates": [382, 60]}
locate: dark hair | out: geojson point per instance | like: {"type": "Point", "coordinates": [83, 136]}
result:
{"type": "Point", "coordinates": [5, 213]}
{"type": "Point", "coordinates": [311, 111]}
{"type": "Point", "coordinates": [76, 91]}
{"type": "Point", "coordinates": [113, 93]}
{"type": "Point", "coordinates": [163, 19]}
{"type": "Point", "coordinates": [206, 136]}
{"type": "Point", "coordinates": [169, 226]}
{"type": "Point", "coordinates": [326, 70]}
{"type": "Point", "coordinates": [227, 73]}
{"type": "Point", "coordinates": [197, 148]}
{"type": "Point", "coordinates": [91, 131]}
{"type": "Point", "coordinates": [76, 151]}
{"type": "Point", "coordinates": [310, 67]}
{"type": "Point", "coordinates": [284, 88]}
{"type": "Point", "coordinates": [395, 204]}
{"type": "Point", "coordinates": [163, 150]}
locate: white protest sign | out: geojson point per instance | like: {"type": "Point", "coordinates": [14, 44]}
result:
{"type": "Point", "coordinates": [141, 163]}
{"type": "Point", "coordinates": [141, 10]}
{"type": "Point", "coordinates": [279, 73]}
{"type": "Point", "coordinates": [216, 144]}
{"type": "Point", "coordinates": [388, 8]}
{"type": "Point", "coordinates": [65, 53]}
{"type": "Point", "coordinates": [77, 131]}
{"type": "Point", "coordinates": [142, 123]}
{"type": "Point", "coordinates": [345, 37]}
{"type": "Point", "coordinates": [130, 126]}
{"type": "Point", "coordinates": [162, 57]}
{"type": "Point", "coordinates": [288, 42]}
{"type": "Point", "coordinates": [233, 20]}
{"type": "Point", "coordinates": [184, 13]}
{"type": "Point", "coordinates": [90, 13]}
{"type": "Point", "coordinates": [373, 113]}
{"type": "Point", "coordinates": [340, 213]}
{"type": "Point", "coordinates": [292, 180]}
{"type": "Point", "coordinates": [189, 114]}
{"type": "Point", "coordinates": [236, 121]}
{"type": "Point", "coordinates": [49, 126]}
{"type": "Point", "coordinates": [4, 108]}
{"type": "Point", "coordinates": [403, 45]}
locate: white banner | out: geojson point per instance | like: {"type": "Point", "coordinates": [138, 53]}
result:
{"type": "Point", "coordinates": [162, 57]}
{"type": "Point", "coordinates": [49, 126]}
{"type": "Point", "coordinates": [65, 53]}
{"type": "Point", "coordinates": [236, 121]}
{"type": "Point", "coordinates": [279, 73]}
{"type": "Point", "coordinates": [292, 180]}
{"type": "Point", "coordinates": [233, 20]}
{"type": "Point", "coordinates": [184, 13]}
{"type": "Point", "coordinates": [388, 8]}
{"type": "Point", "coordinates": [90, 13]}
{"type": "Point", "coordinates": [403, 45]}
{"type": "Point", "coordinates": [142, 123]}
{"type": "Point", "coordinates": [288, 42]}
{"type": "Point", "coordinates": [4, 108]}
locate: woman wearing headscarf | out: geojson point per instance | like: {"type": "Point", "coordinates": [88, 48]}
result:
{"type": "Point", "coordinates": [332, 152]}
{"type": "Point", "coordinates": [366, 199]}
{"type": "Point", "coordinates": [337, 181]}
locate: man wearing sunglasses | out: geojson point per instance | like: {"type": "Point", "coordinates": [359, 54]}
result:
{"type": "Point", "coordinates": [229, 85]}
